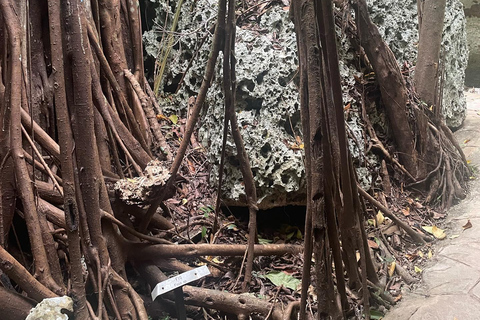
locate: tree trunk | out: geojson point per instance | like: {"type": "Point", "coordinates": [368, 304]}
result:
{"type": "Point", "coordinates": [427, 69]}
{"type": "Point", "coordinates": [392, 86]}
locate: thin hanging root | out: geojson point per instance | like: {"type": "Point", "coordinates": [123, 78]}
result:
{"type": "Point", "coordinates": [91, 312]}
{"type": "Point", "coordinates": [117, 126]}
{"type": "Point", "coordinates": [111, 218]}
{"type": "Point", "coordinates": [136, 299]}
{"type": "Point", "coordinates": [379, 145]}
{"type": "Point", "coordinates": [41, 137]}
{"type": "Point", "coordinates": [42, 161]}
{"type": "Point", "coordinates": [115, 86]}
{"type": "Point", "coordinates": [229, 88]}
{"type": "Point", "coordinates": [448, 133]}
{"type": "Point", "coordinates": [39, 166]}
{"type": "Point", "coordinates": [150, 114]}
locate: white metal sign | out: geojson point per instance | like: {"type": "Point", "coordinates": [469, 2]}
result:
{"type": "Point", "coordinates": [179, 281]}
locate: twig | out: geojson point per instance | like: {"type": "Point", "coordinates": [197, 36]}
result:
{"type": "Point", "coordinates": [273, 302]}
{"type": "Point", "coordinates": [42, 161]}
{"type": "Point", "coordinates": [150, 114]}
{"type": "Point", "coordinates": [400, 270]}
{"type": "Point", "coordinates": [111, 218]}
{"type": "Point", "coordinates": [239, 271]}
{"type": "Point", "coordinates": [412, 233]}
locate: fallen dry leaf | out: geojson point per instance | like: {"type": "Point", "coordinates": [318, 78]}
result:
{"type": "Point", "coordinates": [391, 269]}
{"type": "Point", "coordinates": [468, 225]}
{"type": "Point", "coordinates": [380, 217]}
{"type": "Point", "coordinates": [391, 230]}
{"type": "Point", "coordinates": [418, 205]}
{"type": "Point", "coordinates": [406, 212]}
{"type": "Point", "coordinates": [372, 244]}
{"type": "Point", "coordinates": [411, 256]}
{"type": "Point", "coordinates": [437, 232]}
{"type": "Point", "coordinates": [418, 270]}
{"type": "Point", "coordinates": [396, 286]}
{"type": "Point", "coordinates": [437, 215]}
{"type": "Point", "coordinates": [162, 117]}
{"type": "Point", "coordinates": [430, 254]}
{"type": "Point", "coordinates": [191, 167]}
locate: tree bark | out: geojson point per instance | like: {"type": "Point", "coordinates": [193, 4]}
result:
{"type": "Point", "coordinates": [71, 214]}
{"type": "Point", "coordinates": [392, 85]}
{"type": "Point", "coordinates": [427, 69]}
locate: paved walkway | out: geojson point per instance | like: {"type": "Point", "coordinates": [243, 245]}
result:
{"type": "Point", "coordinates": [450, 289]}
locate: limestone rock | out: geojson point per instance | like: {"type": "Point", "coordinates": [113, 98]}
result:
{"type": "Point", "coordinates": [51, 309]}
{"type": "Point", "coordinates": [267, 97]}
{"type": "Point", "coordinates": [472, 12]}
{"type": "Point", "coordinates": [267, 102]}
{"type": "Point", "coordinates": [397, 22]}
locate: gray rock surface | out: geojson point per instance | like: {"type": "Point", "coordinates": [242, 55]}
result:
{"type": "Point", "coordinates": [267, 98]}
{"type": "Point", "coordinates": [267, 103]}
{"type": "Point", "coordinates": [398, 21]}
{"type": "Point", "coordinates": [472, 12]}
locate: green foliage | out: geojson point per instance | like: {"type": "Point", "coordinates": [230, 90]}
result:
{"type": "Point", "coordinates": [279, 278]}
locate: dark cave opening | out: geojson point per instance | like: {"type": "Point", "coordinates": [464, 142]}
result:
{"type": "Point", "coordinates": [273, 222]}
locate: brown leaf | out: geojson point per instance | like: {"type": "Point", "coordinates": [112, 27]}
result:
{"type": "Point", "coordinates": [372, 244]}
{"type": "Point", "coordinates": [418, 205]}
{"type": "Point", "coordinates": [406, 212]}
{"type": "Point", "coordinates": [391, 230]}
{"type": "Point", "coordinates": [411, 256]}
{"type": "Point", "coordinates": [395, 286]}
{"type": "Point", "coordinates": [191, 167]}
{"type": "Point", "coordinates": [468, 225]}
{"type": "Point", "coordinates": [437, 215]}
